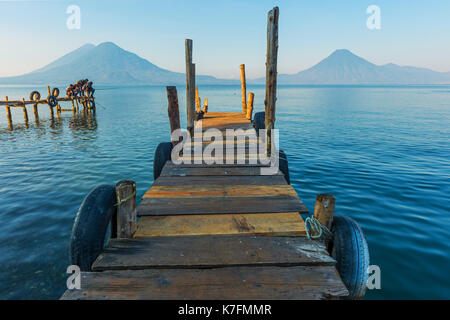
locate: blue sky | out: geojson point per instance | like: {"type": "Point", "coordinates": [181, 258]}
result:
{"type": "Point", "coordinates": [227, 33]}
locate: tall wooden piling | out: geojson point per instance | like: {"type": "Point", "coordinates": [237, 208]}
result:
{"type": "Point", "coordinates": [190, 87]}
{"type": "Point", "coordinates": [251, 96]}
{"type": "Point", "coordinates": [324, 209]}
{"type": "Point", "coordinates": [126, 208]}
{"type": "Point", "coordinates": [271, 75]}
{"type": "Point", "coordinates": [173, 111]}
{"type": "Point", "coordinates": [243, 89]}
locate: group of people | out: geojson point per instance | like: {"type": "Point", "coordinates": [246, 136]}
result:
{"type": "Point", "coordinates": [81, 88]}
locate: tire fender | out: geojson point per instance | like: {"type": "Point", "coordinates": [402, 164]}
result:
{"type": "Point", "coordinates": [162, 155]}
{"type": "Point", "coordinates": [350, 250]}
{"type": "Point", "coordinates": [90, 226]}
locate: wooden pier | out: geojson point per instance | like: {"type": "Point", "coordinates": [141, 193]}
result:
{"type": "Point", "coordinates": [215, 232]}
{"type": "Point", "coordinates": [217, 225]}
{"type": "Point", "coordinates": [53, 101]}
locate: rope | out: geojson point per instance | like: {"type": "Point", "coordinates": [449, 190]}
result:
{"type": "Point", "coordinates": [120, 201]}
{"type": "Point", "coordinates": [317, 228]}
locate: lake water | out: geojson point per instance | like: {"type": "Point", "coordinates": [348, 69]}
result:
{"type": "Point", "coordinates": [384, 152]}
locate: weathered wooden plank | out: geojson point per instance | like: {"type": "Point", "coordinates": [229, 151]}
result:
{"type": "Point", "coordinates": [214, 191]}
{"type": "Point", "coordinates": [170, 170]}
{"type": "Point", "coordinates": [186, 206]}
{"type": "Point", "coordinates": [237, 283]}
{"type": "Point", "coordinates": [268, 224]}
{"type": "Point", "coordinates": [211, 251]}
{"type": "Point", "coordinates": [220, 180]}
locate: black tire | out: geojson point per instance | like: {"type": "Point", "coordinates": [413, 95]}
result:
{"type": "Point", "coordinates": [55, 92]}
{"type": "Point", "coordinates": [259, 121]}
{"type": "Point", "coordinates": [284, 166]}
{"type": "Point", "coordinates": [90, 226]}
{"type": "Point", "coordinates": [52, 101]}
{"type": "Point", "coordinates": [162, 154]}
{"type": "Point", "coordinates": [35, 96]}
{"type": "Point", "coordinates": [350, 250]}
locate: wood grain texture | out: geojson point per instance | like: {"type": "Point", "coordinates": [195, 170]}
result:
{"type": "Point", "coordinates": [237, 283]}
{"type": "Point", "coordinates": [267, 224]}
{"type": "Point", "coordinates": [214, 191]}
{"type": "Point", "coordinates": [219, 205]}
{"type": "Point", "coordinates": [171, 170]}
{"type": "Point", "coordinates": [211, 251]}
{"type": "Point", "coordinates": [219, 180]}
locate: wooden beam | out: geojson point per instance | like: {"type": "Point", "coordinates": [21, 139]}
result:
{"type": "Point", "coordinates": [324, 209]}
{"type": "Point", "coordinates": [251, 96]}
{"type": "Point", "coordinates": [243, 89]}
{"type": "Point", "coordinates": [190, 86]}
{"type": "Point", "coordinates": [268, 224]}
{"type": "Point", "coordinates": [271, 75]}
{"type": "Point", "coordinates": [173, 111]}
{"type": "Point", "coordinates": [126, 208]}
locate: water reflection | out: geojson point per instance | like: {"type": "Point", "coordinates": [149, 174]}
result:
{"type": "Point", "coordinates": [83, 122]}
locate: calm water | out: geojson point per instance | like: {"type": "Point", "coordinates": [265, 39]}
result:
{"type": "Point", "coordinates": [383, 152]}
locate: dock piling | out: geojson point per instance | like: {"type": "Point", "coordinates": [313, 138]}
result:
{"type": "Point", "coordinates": [190, 87]}
{"type": "Point", "coordinates": [173, 111]}
{"type": "Point", "coordinates": [25, 113]}
{"type": "Point", "coordinates": [324, 209]}
{"type": "Point", "coordinates": [197, 101]}
{"type": "Point", "coordinates": [205, 106]}
{"type": "Point", "coordinates": [251, 96]}
{"type": "Point", "coordinates": [126, 208]}
{"type": "Point", "coordinates": [8, 115]}
{"type": "Point", "coordinates": [243, 89]}
{"type": "Point", "coordinates": [271, 75]}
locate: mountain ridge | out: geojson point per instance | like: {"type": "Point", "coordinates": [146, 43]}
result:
{"type": "Point", "coordinates": [109, 64]}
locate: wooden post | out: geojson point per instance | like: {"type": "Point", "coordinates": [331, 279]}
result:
{"type": "Point", "coordinates": [25, 113]}
{"type": "Point", "coordinates": [205, 106]}
{"type": "Point", "coordinates": [190, 87]}
{"type": "Point", "coordinates": [173, 111]}
{"type": "Point", "coordinates": [36, 112]}
{"type": "Point", "coordinates": [197, 101]}
{"type": "Point", "coordinates": [324, 209]}
{"type": "Point", "coordinates": [251, 95]}
{"type": "Point", "coordinates": [271, 75]}
{"type": "Point", "coordinates": [8, 115]}
{"type": "Point", "coordinates": [126, 208]}
{"type": "Point", "coordinates": [243, 89]}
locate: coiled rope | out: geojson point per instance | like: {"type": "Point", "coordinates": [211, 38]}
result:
{"type": "Point", "coordinates": [315, 230]}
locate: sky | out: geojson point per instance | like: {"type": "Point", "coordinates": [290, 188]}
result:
{"type": "Point", "coordinates": [227, 33]}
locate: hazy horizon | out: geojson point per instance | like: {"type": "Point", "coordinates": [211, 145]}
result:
{"type": "Point", "coordinates": [227, 34]}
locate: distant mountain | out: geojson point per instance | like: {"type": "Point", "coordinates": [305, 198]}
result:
{"type": "Point", "coordinates": [344, 67]}
{"type": "Point", "coordinates": [105, 64]}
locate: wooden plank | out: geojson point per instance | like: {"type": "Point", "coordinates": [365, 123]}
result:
{"type": "Point", "coordinates": [186, 206]}
{"type": "Point", "coordinates": [214, 191]}
{"type": "Point", "coordinates": [202, 251]}
{"type": "Point", "coordinates": [237, 283]}
{"type": "Point", "coordinates": [171, 170]}
{"type": "Point", "coordinates": [268, 224]}
{"type": "Point", "coordinates": [220, 180]}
